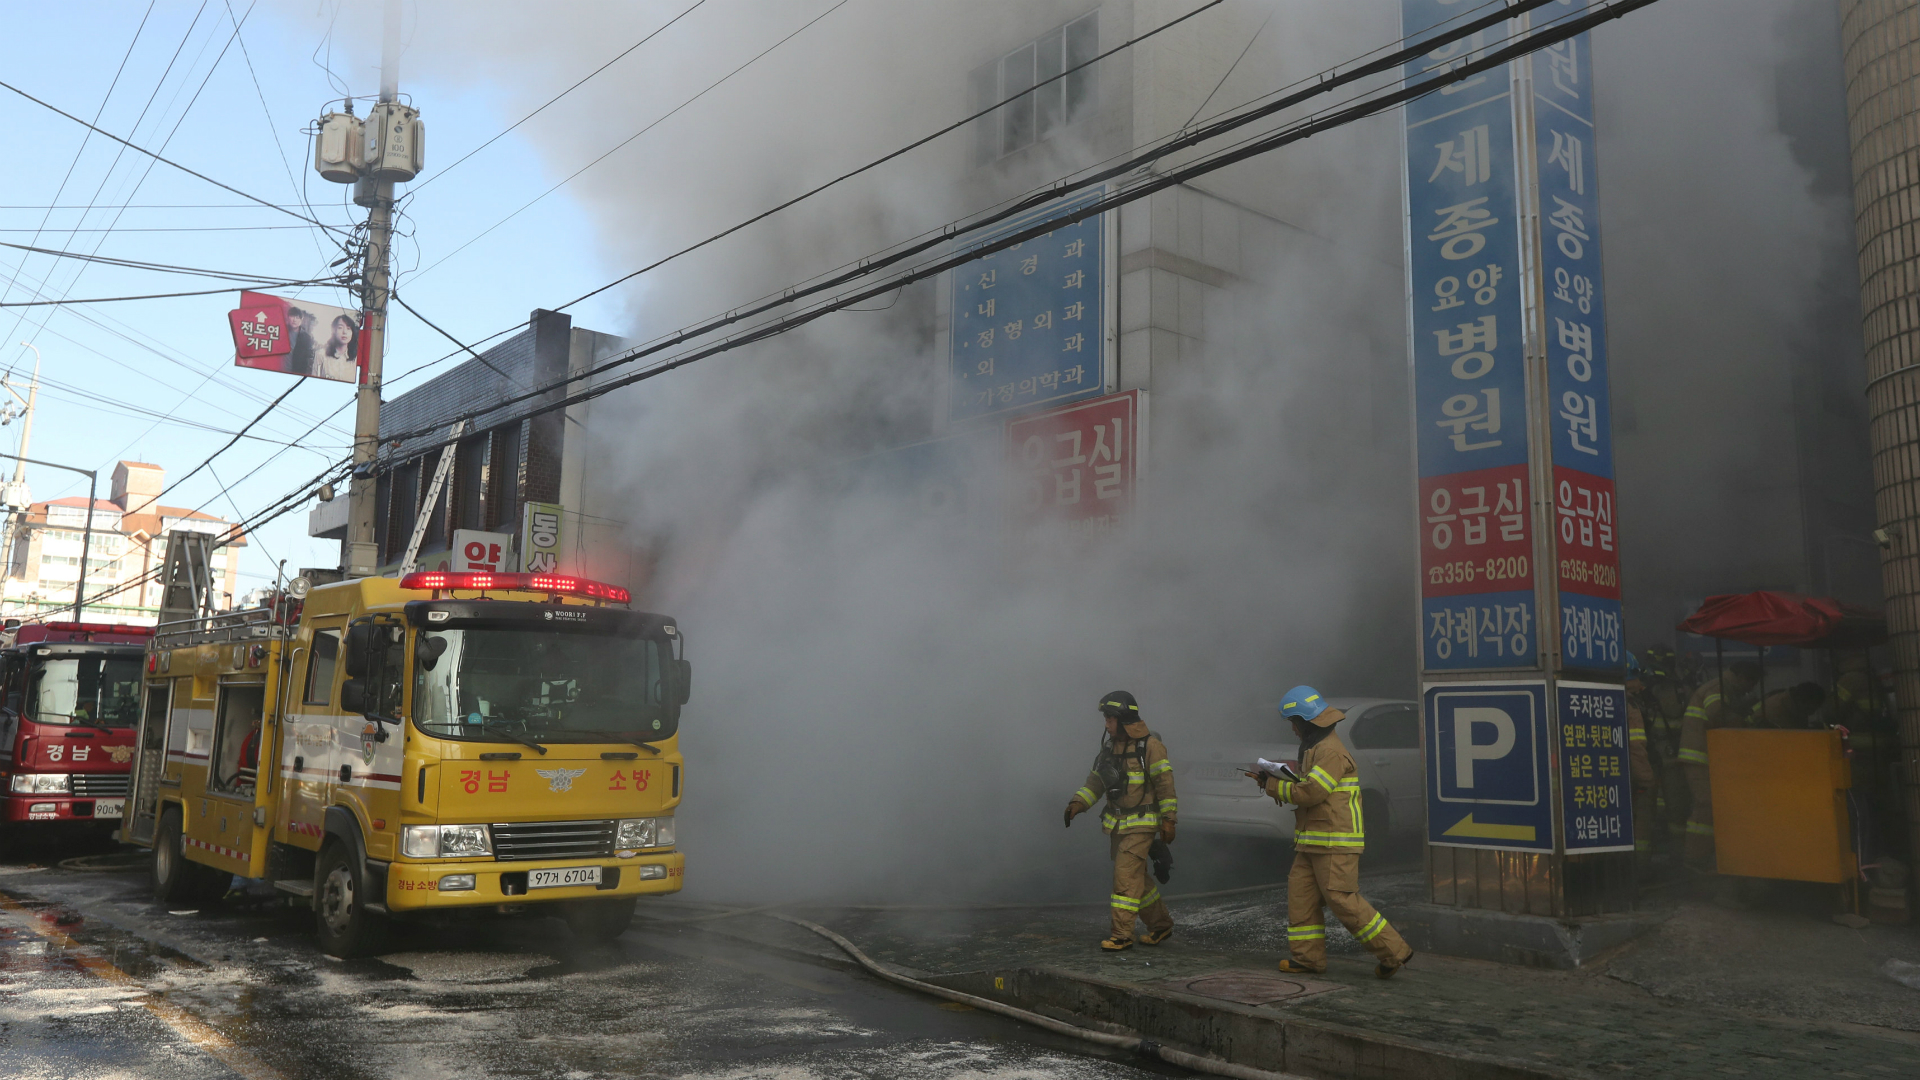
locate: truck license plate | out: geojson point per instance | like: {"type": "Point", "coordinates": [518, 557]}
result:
{"type": "Point", "coordinates": [572, 875]}
{"type": "Point", "coordinates": [112, 808]}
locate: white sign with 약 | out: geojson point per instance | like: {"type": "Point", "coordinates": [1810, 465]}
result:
{"type": "Point", "coordinates": [480, 551]}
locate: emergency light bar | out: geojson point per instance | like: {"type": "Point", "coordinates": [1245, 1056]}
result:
{"type": "Point", "coordinates": [555, 584]}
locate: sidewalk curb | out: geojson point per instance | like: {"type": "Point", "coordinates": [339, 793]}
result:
{"type": "Point", "coordinates": [1242, 1034]}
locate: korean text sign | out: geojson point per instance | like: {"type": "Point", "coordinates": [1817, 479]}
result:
{"type": "Point", "coordinates": [1595, 776]}
{"type": "Point", "coordinates": [1077, 467]}
{"type": "Point", "coordinates": [1469, 374]}
{"type": "Point", "coordinates": [1489, 779]}
{"type": "Point", "coordinates": [1029, 323]}
{"type": "Point", "coordinates": [1574, 323]}
{"type": "Point", "coordinates": [297, 337]}
{"type": "Point", "coordinates": [542, 537]}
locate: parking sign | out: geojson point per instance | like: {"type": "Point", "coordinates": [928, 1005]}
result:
{"type": "Point", "coordinates": [1489, 779]}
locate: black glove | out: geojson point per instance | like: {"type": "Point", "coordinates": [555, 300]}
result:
{"type": "Point", "coordinates": [1162, 858]}
{"type": "Point", "coordinates": [1069, 818]}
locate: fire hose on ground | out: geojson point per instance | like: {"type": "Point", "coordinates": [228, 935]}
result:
{"type": "Point", "coordinates": [1134, 1043]}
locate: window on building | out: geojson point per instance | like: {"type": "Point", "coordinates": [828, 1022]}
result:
{"type": "Point", "coordinates": [503, 479]}
{"type": "Point", "coordinates": [470, 483]}
{"type": "Point", "coordinates": [1036, 115]}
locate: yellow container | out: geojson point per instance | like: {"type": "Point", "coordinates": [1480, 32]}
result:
{"type": "Point", "coordinates": [1779, 804]}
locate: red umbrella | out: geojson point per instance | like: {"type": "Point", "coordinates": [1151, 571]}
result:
{"type": "Point", "coordinates": [1776, 618]}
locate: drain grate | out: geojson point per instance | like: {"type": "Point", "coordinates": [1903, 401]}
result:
{"type": "Point", "coordinates": [1250, 987]}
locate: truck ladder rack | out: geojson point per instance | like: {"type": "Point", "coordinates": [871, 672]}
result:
{"type": "Point", "coordinates": [247, 624]}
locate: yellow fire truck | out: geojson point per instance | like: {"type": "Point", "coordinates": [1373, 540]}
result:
{"type": "Point", "coordinates": [393, 748]}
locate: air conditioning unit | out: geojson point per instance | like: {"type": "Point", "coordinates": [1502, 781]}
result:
{"type": "Point", "coordinates": [339, 148]}
{"type": "Point", "coordinates": [396, 142]}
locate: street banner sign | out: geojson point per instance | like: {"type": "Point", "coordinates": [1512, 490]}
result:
{"type": "Point", "coordinates": [1489, 776]}
{"type": "Point", "coordinates": [1076, 469]}
{"type": "Point", "coordinates": [1595, 774]}
{"type": "Point", "coordinates": [542, 537]}
{"type": "Point", "coordinates": [1029, 323]}
{"type": "Point", "coordinates": [1469, 366]}
{"type": "Point", "coordinates": [298, 337]}
{"type": "Point", "coordinates": [1519, 553]}
{"type": "Point", "coordinates": [1575, 328]}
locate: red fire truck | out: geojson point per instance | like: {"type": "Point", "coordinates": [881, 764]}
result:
{"type": "Point", "coordinates": [69, 701]}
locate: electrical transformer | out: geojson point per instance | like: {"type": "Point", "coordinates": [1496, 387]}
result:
{"type": "Point", "coordinates": [395, 143]}
{"type": "Point", "coordinates": [338, 148]}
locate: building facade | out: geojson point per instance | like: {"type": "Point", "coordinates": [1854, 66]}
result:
{"type": "Point", "coordinates": [499, 463]}
{"type": "Point", "coordinates": [128, 546]}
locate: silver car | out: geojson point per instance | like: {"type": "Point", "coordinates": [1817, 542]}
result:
{"type": "Point", "coordinates": [1384, 737]}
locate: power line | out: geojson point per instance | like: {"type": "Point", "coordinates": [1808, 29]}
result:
{"type": "Point", "coordinates": [166, 296]}
{"type": "Point", "coordinates": [136, 264]}
{"type": "Point", "coordinates": [169, 162]}
{"type": "Point", "coordinates": [877, 162]}
{"type": "Point", "coordinates": [557, 97]}
{"type": "Point", "coordinates": [1324, 83]}
{"type": "Point", "coordinates": [1540, 37]}
{"type": "Point", "coordinates": [657, 122]}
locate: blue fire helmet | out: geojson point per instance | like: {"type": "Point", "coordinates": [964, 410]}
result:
{"type": "Point", "coordinates": [1633, 665]}
{"type": "Point", "coordinates": [1304, 702]}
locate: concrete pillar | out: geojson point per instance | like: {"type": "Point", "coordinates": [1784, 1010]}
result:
{"type": "Point", "coordinates": [1881, 43]}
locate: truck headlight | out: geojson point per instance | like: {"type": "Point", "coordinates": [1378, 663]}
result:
{"type": "Point", "coordinates": [445, 841]}
{"type": "Point", "coordinates": [41, 783]}
{"type": "Point", "coordinates": [646, 832]}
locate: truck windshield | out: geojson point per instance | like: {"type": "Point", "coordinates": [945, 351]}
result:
{"type": "Point", "coordinates": [546, 684]}
{"type": "Point", "coordinates": [86, 690]}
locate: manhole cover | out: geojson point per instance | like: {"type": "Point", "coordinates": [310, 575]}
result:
{"type": "Point", "coordinates": [1250, 987]}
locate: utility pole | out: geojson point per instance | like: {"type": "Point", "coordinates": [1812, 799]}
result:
{"type": "Point", "coordinates": [15, 493]}
{"type": "Point", "coordinates": [391, 153]}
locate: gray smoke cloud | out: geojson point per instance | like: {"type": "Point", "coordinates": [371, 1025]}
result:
{"type": "Point", "coordinates": [893, 703]}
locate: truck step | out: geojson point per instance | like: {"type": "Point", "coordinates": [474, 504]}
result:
{"type": "Point", "coordinates": [296, 886]}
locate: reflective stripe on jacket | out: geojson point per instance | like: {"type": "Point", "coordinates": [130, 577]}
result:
{"type": "Point", "coordinates": [1327, 812]}
{"type": "Point", "coordinates": [1146, 797]}
{"type": "Point", "coordinates": [1706, 710]}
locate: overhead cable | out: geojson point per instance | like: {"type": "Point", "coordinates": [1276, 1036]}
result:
{"type": "Point", "coordinates": [555, 98]}
{"type": "Point", "coordinates": [4, 85]}
{"type": "Point", "coordinates": [1539, 38]}
{"type": "Point", "coordinates": [165, 296]}
{"type": "Point", "coordinates": [656, 123]}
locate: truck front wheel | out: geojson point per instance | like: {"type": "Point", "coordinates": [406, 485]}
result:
{"type": "Point", "coordinates": [346, 928]}
{"type": "Point", "coordinates": [599, 921]}
{"type": "Point", "coordinates": [178, 879]}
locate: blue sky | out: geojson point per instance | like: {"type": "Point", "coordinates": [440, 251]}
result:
{"type": "Point", "coordinates": [154, 380]}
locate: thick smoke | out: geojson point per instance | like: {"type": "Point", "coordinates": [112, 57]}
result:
{"type": "Point", "coordinates": [891, 702]}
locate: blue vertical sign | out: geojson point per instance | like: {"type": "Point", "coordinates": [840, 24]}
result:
{"type": "Point", "coordinates": [1029, 323]}
{"type": "Point", "coordinates": [1469, 374]}
{"type": "Point", "coordinates": [1596, 800]}
{"type": "Point", "coordinates": [1573, 318]}
{"type": "Point", "coordinates": [1489, 779]}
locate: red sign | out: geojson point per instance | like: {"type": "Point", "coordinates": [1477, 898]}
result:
{"type": "Point", "coordinates": [1584, 527]}
{"type": "Point", "coordinates": [1473, 532]}
{"type": "Point", "coordinates": [1078, 466]}
{"type": "Point", "coordinates": [298, 337]}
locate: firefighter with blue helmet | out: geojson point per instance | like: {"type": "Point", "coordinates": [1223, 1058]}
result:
{"type": "Point", "coordinates": [1328, 836]}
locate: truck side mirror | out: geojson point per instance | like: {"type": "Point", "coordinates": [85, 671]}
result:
{"type": "Point", "coordinates": [353, 696]}
{"type": "Point", "coordinates": [681, 683]}
{"type": "Point", "coordinates": [427, 650]}
{"type": "Point", "coordinates": [359, 646]}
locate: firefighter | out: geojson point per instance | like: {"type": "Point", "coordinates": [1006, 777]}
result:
{"type": "Point", "coordinates": [1713, 705]}
{"type": "Point", "coordinates": [1133, 774]}
{"type": "Point", "coordinates": [1328, 836]}
{"type": "Point", "coordinates": [1791, 708]}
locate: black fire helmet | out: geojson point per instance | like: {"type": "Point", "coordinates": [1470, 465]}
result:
{"type": "Point", "coordinates": [1121, 706]}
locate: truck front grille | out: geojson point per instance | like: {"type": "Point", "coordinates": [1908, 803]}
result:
{"type": "Point", "coordinates": [553, 840]}
{"type": "Point", "coordinates": [100, 785]}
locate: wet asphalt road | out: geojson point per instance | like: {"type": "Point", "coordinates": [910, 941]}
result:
{"type": "Point", "coordinates": [97, 981]}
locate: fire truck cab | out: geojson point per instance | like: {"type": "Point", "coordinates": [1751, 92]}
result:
{"type": "Point", "coordinates": [396, 748]}
{"type": "Point", "coordinates": [69, 699]}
